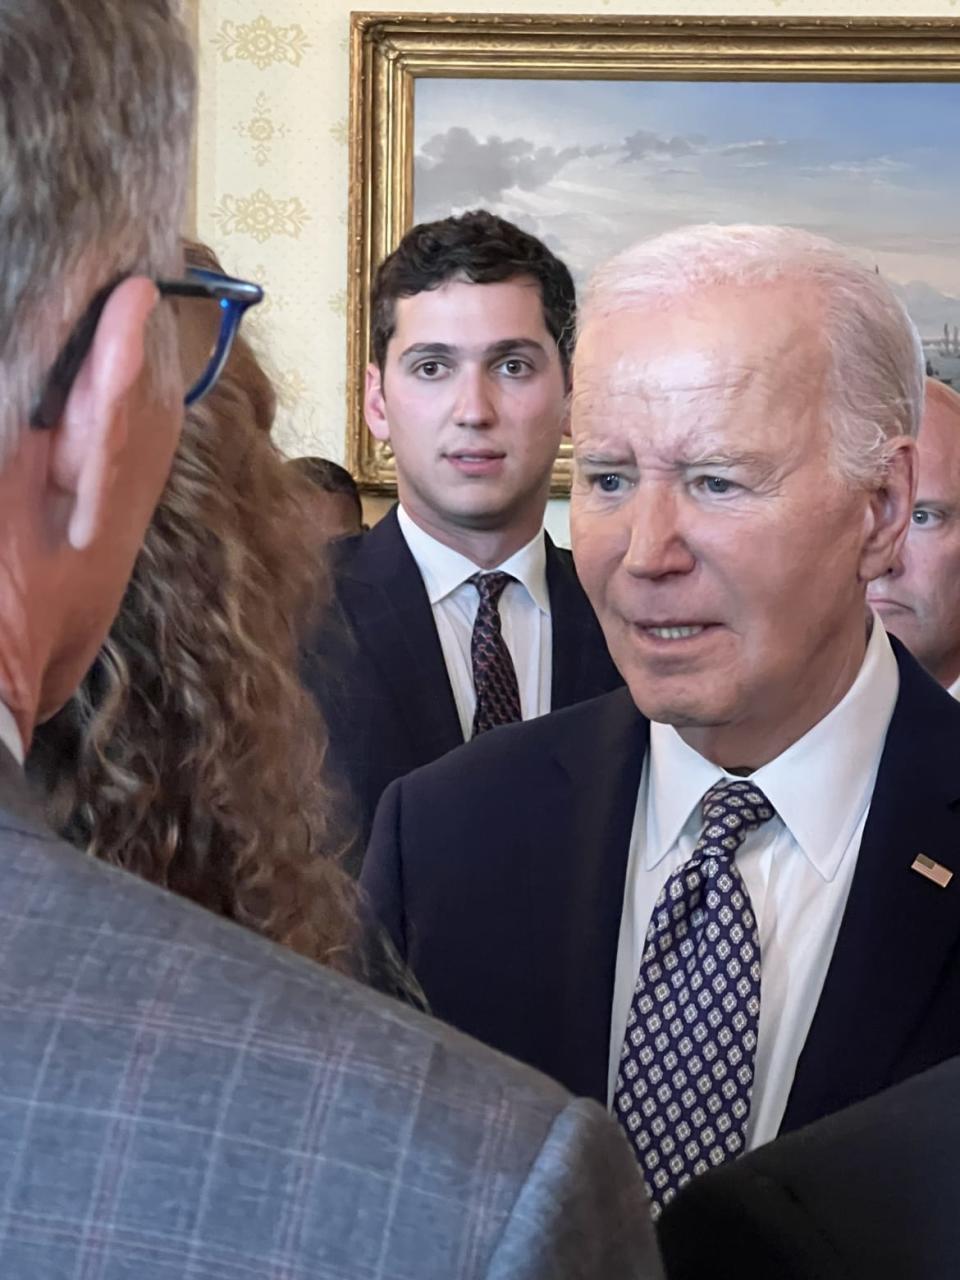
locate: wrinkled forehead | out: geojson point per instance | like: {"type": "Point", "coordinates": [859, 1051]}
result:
{"type": "Point", "coordinates": [733, 354]}
{"type": "Point", "coordinates": [646, 377]}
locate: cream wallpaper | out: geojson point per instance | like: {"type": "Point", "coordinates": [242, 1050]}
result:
{"type": "Point", "coordinates": [272, 169]}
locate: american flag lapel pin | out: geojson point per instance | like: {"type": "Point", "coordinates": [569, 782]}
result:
{"type": "Point", "coordinates": [926, 867]}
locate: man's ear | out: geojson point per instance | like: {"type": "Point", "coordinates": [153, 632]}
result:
{"type": "Point", "coordinates": [374, 405]}
{"type": "Point", "coordinates": [90, 438]}
{"type": "Point", "coordinates": [889, 511]}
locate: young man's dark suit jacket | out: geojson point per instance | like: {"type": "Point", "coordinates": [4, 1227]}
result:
{"type": "Point", "coordinates": [499, 873]}
{"type": "Point", "coordinates": [378, 674]}
{"type": "Point", "coordinates": [871, 1193]}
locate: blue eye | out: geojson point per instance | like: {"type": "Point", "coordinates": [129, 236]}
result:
{"type": "Point", "coordinates": [609, 483]}
{"type": "Point", "coordinates": [716, 484]}
{"type": "Point", "coordinates": [924, 518]}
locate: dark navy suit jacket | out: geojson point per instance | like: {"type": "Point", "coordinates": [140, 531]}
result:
{"type": "Point", "coordinates": [377, 668]}
{"type": "Point", "coordinates": [499, 873]}
{"type": "Point", "coordinates": [870, 1193]}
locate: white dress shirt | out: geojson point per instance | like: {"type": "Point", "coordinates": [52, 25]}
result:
{"type": "Point", "coordinates": [798, 867]}
{"type": "Point", "coordinates": [954, 690]}
{"type": "Point", "coordinates": [10, 734]}
{"type": "Point", "coordinates": [525, 618]}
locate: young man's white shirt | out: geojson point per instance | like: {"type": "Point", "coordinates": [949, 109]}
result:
{"type": "Point", "coordinates": [525, 617]}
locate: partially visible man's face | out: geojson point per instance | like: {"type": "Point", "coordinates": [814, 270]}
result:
{"type": "Point", "coordinates": [919, 600]}
{"type": "Point", "coordinates": [472, 400]}
{"type": "Point", "coordinates": [721, 550]}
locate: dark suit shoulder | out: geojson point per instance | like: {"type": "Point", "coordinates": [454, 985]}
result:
{"type": "Point", "coordinates": [342, 553]}
{"type": "Point", "coordinates": [513, 750]}
{"type": "Point", "coordinates": [920, 695]}
{"type": "Point", "coordinates": [868, 1193]}
{"type": "Point", "coordinates": [374, 556]}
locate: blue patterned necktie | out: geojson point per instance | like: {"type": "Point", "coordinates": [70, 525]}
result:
{"type": "Point", "coordinates": [494, 675]}
{"type": "Point", "coordinates": [686, 1067]}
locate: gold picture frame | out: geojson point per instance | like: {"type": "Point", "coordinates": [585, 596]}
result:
{"type": "Point", "coordinates": [390, 52]}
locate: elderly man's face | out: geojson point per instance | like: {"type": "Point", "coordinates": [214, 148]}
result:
{"type": "Point", "coordinates": [725, 556]}
{"type": "Point", "coordinates": [919, 600]}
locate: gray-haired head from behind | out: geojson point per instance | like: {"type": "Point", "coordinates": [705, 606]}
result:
{"type": "Point", "coordinates": [875, 370]}
{"type": "Point", "coordinates": [96, 115]}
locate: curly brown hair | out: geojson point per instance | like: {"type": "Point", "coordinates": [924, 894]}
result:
{"type": "Point", "coordinates": [191, 755]}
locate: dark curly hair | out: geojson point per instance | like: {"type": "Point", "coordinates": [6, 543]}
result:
{"type": "Point", "coordinates": [484, 249]}
{"type": "Point", "coordinates": [191, 755]}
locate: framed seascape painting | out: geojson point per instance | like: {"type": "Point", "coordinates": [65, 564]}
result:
{"type": "Point", "coordinates": [595, 132]}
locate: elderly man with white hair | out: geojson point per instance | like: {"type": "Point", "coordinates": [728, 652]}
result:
{"type": "Point", "coordinates": [721, 901]}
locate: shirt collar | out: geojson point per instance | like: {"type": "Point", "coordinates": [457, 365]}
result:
{"type": "Point", "coordinates": [444, 570]}
{"type": "Point", "coordinates": [820, 786]}
{"type": "Point", "coordinates": [529, 566]}
{"type": "Point", "coordinates": [954, 690]}
{"type": "Point", "coordinates": [10, 733]}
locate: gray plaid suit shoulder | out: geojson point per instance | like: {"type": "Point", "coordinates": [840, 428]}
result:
{"type": "Point", "coordinates": [179, 1098]}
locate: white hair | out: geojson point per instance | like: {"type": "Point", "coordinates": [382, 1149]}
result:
{"type": "Point", "coordinates": [875, 371]}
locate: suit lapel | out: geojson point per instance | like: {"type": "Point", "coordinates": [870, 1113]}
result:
{"type": "Point", "coordinates": [603, 769]}
{"type": "Point", "coordinates": [383, 595]}
{"type": "Point", "coordinates": [898, 928]}
{"type": "Point", "coordinates": [581, 664]}
{"type": "Point", "coordinates": [564, 612]}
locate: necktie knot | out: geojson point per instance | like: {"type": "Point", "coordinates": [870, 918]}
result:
{"type": "Point", "coordinates": [491, 586]}
{"type": "Point", "coordinates": [731, 810]}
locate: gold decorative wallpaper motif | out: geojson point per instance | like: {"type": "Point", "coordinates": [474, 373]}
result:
{"type": "Point", "coordinates": [261, 130]}
{"type": "Point", "coordinates": [261, 42]}
{"type": "Point", "coordinates": [261, 216]}
{"type": "Point", "coordinates": [272, 169]}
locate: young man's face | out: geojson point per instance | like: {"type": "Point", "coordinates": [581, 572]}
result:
{"type": "Point", "coordinates": [472, 399]}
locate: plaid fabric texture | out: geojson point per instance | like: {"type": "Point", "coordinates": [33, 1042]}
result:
{"type": "Point", "coordinates": [181, 1100]}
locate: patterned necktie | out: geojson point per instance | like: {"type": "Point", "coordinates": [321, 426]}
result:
{"type": "Point", "coordinates": [494, 675]}
{"type": "Point", "coordinates": [686, 1067]}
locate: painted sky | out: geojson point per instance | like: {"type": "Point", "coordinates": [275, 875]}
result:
{"type": "Point", "coordinates": [592, 166]}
